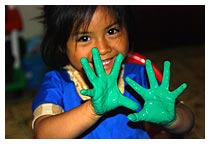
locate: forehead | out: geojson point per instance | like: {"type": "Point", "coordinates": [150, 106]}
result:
{"type": "Point", "coordinates": [101, 14]}
{"type": "Point", "coordinates": [104, 12]}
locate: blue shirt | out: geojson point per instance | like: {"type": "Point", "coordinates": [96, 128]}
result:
{"type": "Point", "coordinates": [59, 89]}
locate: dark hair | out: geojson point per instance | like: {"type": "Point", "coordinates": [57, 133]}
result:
{"type": "Point", "coordinates": [59, 22]}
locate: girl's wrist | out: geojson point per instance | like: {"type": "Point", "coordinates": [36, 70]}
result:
{"type": "Point", "coordinates": [176, 120]}
{"type": "Point", "coordinates": [171, 122]}
{"type": "Point", "coordinates": [92, 111]}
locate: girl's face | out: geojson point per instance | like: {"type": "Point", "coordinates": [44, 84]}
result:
{"type": "Point", "coordinates": [104, 33]}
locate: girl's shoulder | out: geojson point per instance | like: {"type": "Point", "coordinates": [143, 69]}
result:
{"type": "Point", "coordinates": [57, 75]}
{"type": "Point", "coordinates": [53, 89]}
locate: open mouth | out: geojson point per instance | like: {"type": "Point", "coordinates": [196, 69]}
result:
{"type": "Point", "coordinates": [108, 63]}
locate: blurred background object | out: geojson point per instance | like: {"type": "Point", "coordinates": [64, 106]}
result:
{"type": "Point", "coordinates": [14, 47]}
{"type": "Point", "coordinates": [24, 66]}
{"type": "Point", "coordinates": [169, 32]}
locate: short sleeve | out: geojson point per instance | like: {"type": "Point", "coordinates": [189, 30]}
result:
{"type": "Point", "coordinates": [50, 90]}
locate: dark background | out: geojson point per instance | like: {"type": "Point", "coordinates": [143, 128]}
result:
{"type": "Point", "coordinates": [167, 26]}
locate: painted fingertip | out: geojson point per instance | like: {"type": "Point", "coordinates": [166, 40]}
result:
{"type": "Point", "coordinates": [136, 107]}
{"type": "Point", "coordinates": [121, 56]}
{"type": "Point", "coordinates": [148, 61]}
{"type": "Point", "coordinates": [127, 79]}
{"type": "Point", "coordinates": [184, 85]}
{"type": "Point", "coordinates": [132, 117]}
{"type": "Point", "coordinates": [83, 59]}
{"type": "Point", "coordinates": [83, 92]}
{"type": "Point", "coordinates": [94, 50]}
{"type": "Point", "coordinates": [167, 63]}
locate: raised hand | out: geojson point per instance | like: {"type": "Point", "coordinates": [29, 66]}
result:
{"type": "Point", "coordinates": [105, 95]}
{"type": "Point", "coordinates": [159, 106]}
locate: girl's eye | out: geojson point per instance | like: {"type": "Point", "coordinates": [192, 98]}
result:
{"type": "Point", "coordinates": [83, 39]}
{"type": "Point", "coordinates": [113, 31]}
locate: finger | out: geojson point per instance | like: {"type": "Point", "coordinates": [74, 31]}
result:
{"type": "Point", "coordinates": [151, 75]}
{"type": "Point", "coordinates": [179, 90]}
{"type": "Point", "coordinates": [88, 92]}
{"type": "Point", "coordinates": [97, 62]}
{"type": "Point", "coordinates": [135, 117]}
{"type": "Point", "coordinates": [139, 89]}
{"type": "Point", "coordinates": [166, 75]}
{"type": "Point", "coordinates": [126, 102]}
{"type": "Point", "coordinates": [88, 70]}
{"type": "Point", "coordinates": [117, 65]}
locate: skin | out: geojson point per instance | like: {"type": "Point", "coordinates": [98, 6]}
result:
{"type": "Point", "coordinates": [111, 40]}
{"type": "Point", "coordinates": [103, 33]}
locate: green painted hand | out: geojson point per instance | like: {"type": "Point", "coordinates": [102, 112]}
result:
{"type": "Point", "coordinates": [159, 106]}
{"type": "Point", "coordinates": [105, 95]}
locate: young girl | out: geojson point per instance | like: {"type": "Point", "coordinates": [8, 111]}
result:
{"type": "Point", "coordinates": [86, 95]}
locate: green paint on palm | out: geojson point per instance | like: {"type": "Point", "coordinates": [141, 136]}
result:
{"type": "Point", "coordinates": [159, 106]}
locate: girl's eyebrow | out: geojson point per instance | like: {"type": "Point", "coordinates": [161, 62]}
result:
{"type": "Point", "coordinates": [87, 32]}
{"type": "Point", "coordinates": [114, 23]}
{"type": "Point", "coordinates": [81, 33]}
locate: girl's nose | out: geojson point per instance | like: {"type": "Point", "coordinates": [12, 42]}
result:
{"type": "Point", "coordinates": [103, 47]}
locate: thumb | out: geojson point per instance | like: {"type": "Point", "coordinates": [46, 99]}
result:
{"type": "Point", "coordinates": [89, 92]}
{"type": "Point", "coordinates": [132, 117]}
{"type": "Point", "coordinates": [135, 117]}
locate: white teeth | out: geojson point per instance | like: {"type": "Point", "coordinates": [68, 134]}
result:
{"type": "Point", "coordinates": [105, 62]}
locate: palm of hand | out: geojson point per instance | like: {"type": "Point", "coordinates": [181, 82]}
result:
{"type": "Point", "coordinates": [159, 106]}
{"type": "Point", "coordinates": [105, 95]}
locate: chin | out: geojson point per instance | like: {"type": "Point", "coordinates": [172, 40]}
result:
{"type": "Point", "coordinates": [108, 71]}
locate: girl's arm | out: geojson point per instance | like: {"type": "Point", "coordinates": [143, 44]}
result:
{"type": "Point", "coordinates": [69, 124]}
